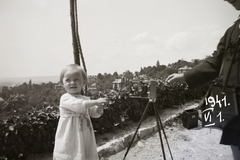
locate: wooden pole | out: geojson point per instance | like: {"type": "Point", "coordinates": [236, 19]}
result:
{"type": "Point", "coordinates": [74, 39]}
{"type": "Point", "coordinates": [77, 49]}
{"type": "Point", "coordinates": [77, 36]}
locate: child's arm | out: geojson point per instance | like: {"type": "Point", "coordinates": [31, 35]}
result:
{"type": "Point", "coordinates": [80, 105]}
{"type": "Point", "coordinates": [98, 102]}
{"type": "Point", "coordinates": [97, 110]}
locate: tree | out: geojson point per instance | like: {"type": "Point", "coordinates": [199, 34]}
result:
{"type": "Point", "coordinates": [50, 85]}
{"type": "Point", "coordinates": [158, 64]}
{"type": "Point", "coordinates": [107, 77]}
{"type": "Point", "coordinates": [115, 75]}
{"type": "Point", "coordinates": [22, 89]}
{"type": "Point", "coordinates": [196, 62]}
{"type": "Point", "coordinates": [100, 76]}
{"type": "Point", "coordinates": [30, 85]}
{"type": "Point", "coordinates": [128, 75]}
{"type": "Point", "coordinates": [136, 73]}
{"type": "Point", "coordinates": [141, 71]}
{"type": "Point", "coordinates": [5, 92]}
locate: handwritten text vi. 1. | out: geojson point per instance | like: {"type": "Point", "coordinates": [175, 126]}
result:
{"type": "Point", "coordinates": [213, 101]}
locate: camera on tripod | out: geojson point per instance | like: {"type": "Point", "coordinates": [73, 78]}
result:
{"type": "Point", "coordinates": [143, 89]}
{"type": "Point", "coordinates": [148, 89]}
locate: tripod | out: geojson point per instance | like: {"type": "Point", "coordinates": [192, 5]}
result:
{"type": "Point", "coordinates": [152, 99]}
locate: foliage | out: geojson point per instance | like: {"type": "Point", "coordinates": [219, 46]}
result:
{"type": "Point", "coordinates": [35, 97]}
{"type": "Point", "coordinates": [34, 133]}
{"type": "Point", "coordinates": [162, 71]}
{"type": "Point", "coordinates": [31, 125]}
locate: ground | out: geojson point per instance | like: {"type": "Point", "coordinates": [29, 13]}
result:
{"type": "Point", "coordinates": [131, 126]}
{"type": "Point", "coordinates": [193, 144]}
{"type": "Point", "coordinates": [185, 144]}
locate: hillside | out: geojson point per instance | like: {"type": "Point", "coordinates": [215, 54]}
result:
{"type": "Point", "coordinates": [36, 80]}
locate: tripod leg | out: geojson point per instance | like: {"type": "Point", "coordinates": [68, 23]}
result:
{"type": "Point", "coordinates": [144, 113]}
{"type": "Point", "coordinates": [159, 131]}
{"type": "Point", "coordinates": [163, 131]}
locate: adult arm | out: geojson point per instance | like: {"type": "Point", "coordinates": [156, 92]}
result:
{"type": "Point", "coordinates": [210, 68]}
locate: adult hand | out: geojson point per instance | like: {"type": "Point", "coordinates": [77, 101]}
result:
{"type": "Point", "coordinates": [176, 77]}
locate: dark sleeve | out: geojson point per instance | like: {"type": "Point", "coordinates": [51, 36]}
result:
{"type": "Point", "coordinates": [209, 69]}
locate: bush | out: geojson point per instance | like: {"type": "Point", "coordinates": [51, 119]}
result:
{"type": "Point", "coordinates": [35, 133]}
{"type": "Point", "coordinates": [31, 134]}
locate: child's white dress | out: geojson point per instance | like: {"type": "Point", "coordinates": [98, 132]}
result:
{"type": "Point", "coordinates": [75, 139]}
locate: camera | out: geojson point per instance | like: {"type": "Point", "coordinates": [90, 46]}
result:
{"type": "Point", "coordinates": [143, 89]}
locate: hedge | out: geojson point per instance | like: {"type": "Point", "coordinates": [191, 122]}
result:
{"type": "Point", "coordinates": [34, 134]}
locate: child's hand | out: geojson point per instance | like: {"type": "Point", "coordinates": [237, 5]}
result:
{"type": "Point", "coordinates": [102, 102]}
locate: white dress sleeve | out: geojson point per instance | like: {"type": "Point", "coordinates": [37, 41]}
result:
{"type": "Point", "coordinates": [93, 111]}
{"type": "Point", "coordinates": [72, 103]}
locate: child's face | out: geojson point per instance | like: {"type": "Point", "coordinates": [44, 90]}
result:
{"type": "Point", "coordinates": [73, 81]}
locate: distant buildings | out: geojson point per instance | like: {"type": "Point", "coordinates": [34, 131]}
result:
{"type": "Point", "coordinates": [117, 84]}
{"type": "Point", "coordinates": [58, 86]}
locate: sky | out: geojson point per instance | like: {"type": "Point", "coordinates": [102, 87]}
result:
{"type": "Point", "coordinates": [115, 35]}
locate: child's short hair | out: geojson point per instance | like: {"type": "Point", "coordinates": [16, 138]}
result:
{"type": "Point", "coordinates": [73, 66]}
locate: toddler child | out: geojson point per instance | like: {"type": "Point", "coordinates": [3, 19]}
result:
{"type": "Point", "coordinates": [75, 139]}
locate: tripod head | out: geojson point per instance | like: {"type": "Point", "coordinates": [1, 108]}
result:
{"type": "Point", "coordinates": [152, 91]}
